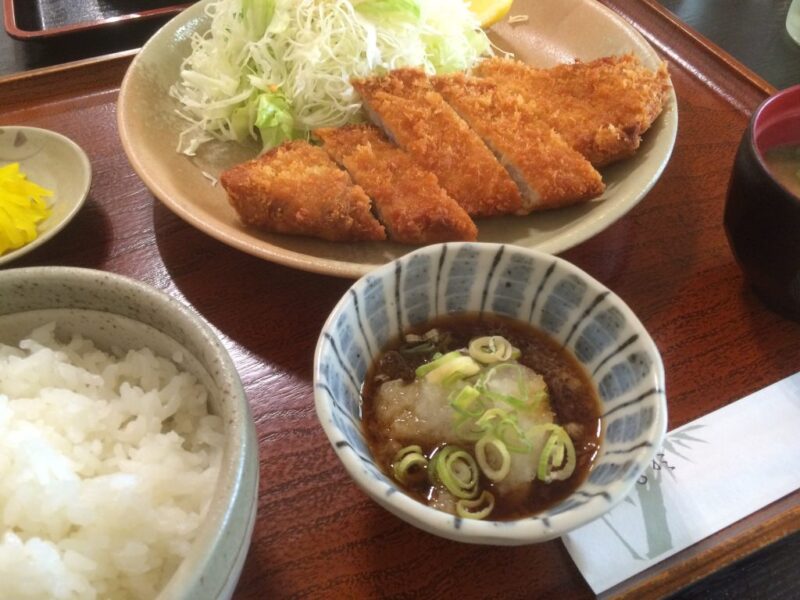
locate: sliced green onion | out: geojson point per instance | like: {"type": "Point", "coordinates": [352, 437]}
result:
{"type": "Point", "coordinates": [456, 470]}
{"type": "Point", "coordinates": [453, 370]}
{"type": "Point", "coordinates": [466, 508]}
{"type": "Point", "coordinates": [558, 454]}
{"type": "Point", "coordinates": [512, 401]}
{"type": "Point", "coordinates": [413, 449]}
{"type": "Point", "coordinates": [487, 418]}
{"type": "Point", "coordinates": [542, 430]}
{"type": "Point", "coordinates": [409, 463]}
{"type": "Point", "coordinates": [557, 461]}
{"type": "Point", "coordinates": [512, 436]}
{"type": "Point", "coordinates": [491, 349]}
{"type": "Point", "coordinates": [437, 362]}
{"type": "Point", "coordinates": [482, 455]}
{"type": "Point", "coordinates": [468, 430]}
{"type": "Point", "coordinates": [467, 402]}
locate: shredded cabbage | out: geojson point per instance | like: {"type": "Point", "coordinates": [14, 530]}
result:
{"type": "Point", "coordinates": [275, 69]}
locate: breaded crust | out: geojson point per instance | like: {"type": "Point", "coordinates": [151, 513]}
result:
{"type": "Point", "coordinates": [297, 189]}
{"type": "Point", "coordinates": [417, 118]}
{"type": "Point", "coordinates": [408, 199]}
{"type": "Point", "coordinates": [547, 170]}
{"type": "Point", "coordinates": [601, 107]}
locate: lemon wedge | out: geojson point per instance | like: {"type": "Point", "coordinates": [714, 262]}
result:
{"type": "Point", "coordinates": [489, 12]}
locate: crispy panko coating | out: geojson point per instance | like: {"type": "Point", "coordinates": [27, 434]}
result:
{"type": "Point", "coordinates": [601, 107]}
{"type": "Point", "coordinates": [417, 118]}
{"type": "Point", "coordinates": [412, 206]}
{"type": "Point", "coordinates": [297, 189]}
{"type": "Point", "coordinates": [548, 172]}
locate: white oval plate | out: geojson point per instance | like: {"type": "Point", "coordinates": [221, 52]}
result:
{"type": "Point", "coordinates": [52, 161]}
{"type": "Point", "coordinates": [556, 31]}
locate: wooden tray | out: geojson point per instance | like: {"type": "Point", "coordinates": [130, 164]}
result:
{"type": "Point", "coordinates": [316, 534]}
{"type": "Point", "coordinates": [37, 19]}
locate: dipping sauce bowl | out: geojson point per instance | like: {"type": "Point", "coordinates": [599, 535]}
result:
{"type": "Point", "coordinates": [587, 319]}
{"type": "Point", "coordinates": [762, 216]}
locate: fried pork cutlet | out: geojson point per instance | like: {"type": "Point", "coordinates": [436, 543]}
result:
{"type": "Point", "coordinates": [408, 200]}
{"type": "Point", "coordinates": [417, 119]}
{"type": "Point", "coordinates": [297, 189]}
{"type": "Point", "coordinates": [600, 108]}
{"type": "Point", "coordinates": [548, 172]}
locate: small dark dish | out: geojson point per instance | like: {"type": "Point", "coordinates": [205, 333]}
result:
{"type": "Point", "coordinates": [36, 19]}
{"type": "Point", "coordinates": [762, 215]}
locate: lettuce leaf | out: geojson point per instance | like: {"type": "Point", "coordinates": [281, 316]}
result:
{"type": "Point", "coordinates": [408, 9]}
{"type": "Point", "coordinates": [258, 14]}
{"type": "Point", "coordinates": [274, 118]}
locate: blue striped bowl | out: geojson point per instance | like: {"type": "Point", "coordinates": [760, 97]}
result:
{"type": "Point", "coordinates": [546, 291]}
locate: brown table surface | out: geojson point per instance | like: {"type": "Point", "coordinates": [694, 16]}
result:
{"type": "Point", "coordinates": [316, 534]}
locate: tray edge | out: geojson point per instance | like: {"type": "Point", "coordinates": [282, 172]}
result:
{"type": "Point", "coordinates": [13, 29]}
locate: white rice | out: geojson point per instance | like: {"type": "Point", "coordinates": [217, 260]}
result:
{"type": "Point", "coordinates": [107, 466]}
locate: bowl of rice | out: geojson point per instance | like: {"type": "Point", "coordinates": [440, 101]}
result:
{"type": "Point", "coordinates": [128, 456]}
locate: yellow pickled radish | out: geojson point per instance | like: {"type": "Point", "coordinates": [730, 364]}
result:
{"type": "Point", "coordinates": [22, 206]}
{"type": "Point", "coordinates": [489, 12]}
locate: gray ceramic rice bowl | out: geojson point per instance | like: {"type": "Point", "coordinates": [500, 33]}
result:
{"type": "Point", "coordinates": [114, 311]}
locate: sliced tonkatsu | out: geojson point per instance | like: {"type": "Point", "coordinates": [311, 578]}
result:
{"type": "Point", "coordinates": [508, 139]}
{"type": "Point", "coordinates": [407, 199]}
{"type": "Point", "coordinates": [547, 170]}
{"type": "Point", "coordinates": [297, 189]}
{"type": "Point", "coordinates": [413, 115]}
{"type": "Point", "coordinates": [600, 108]}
